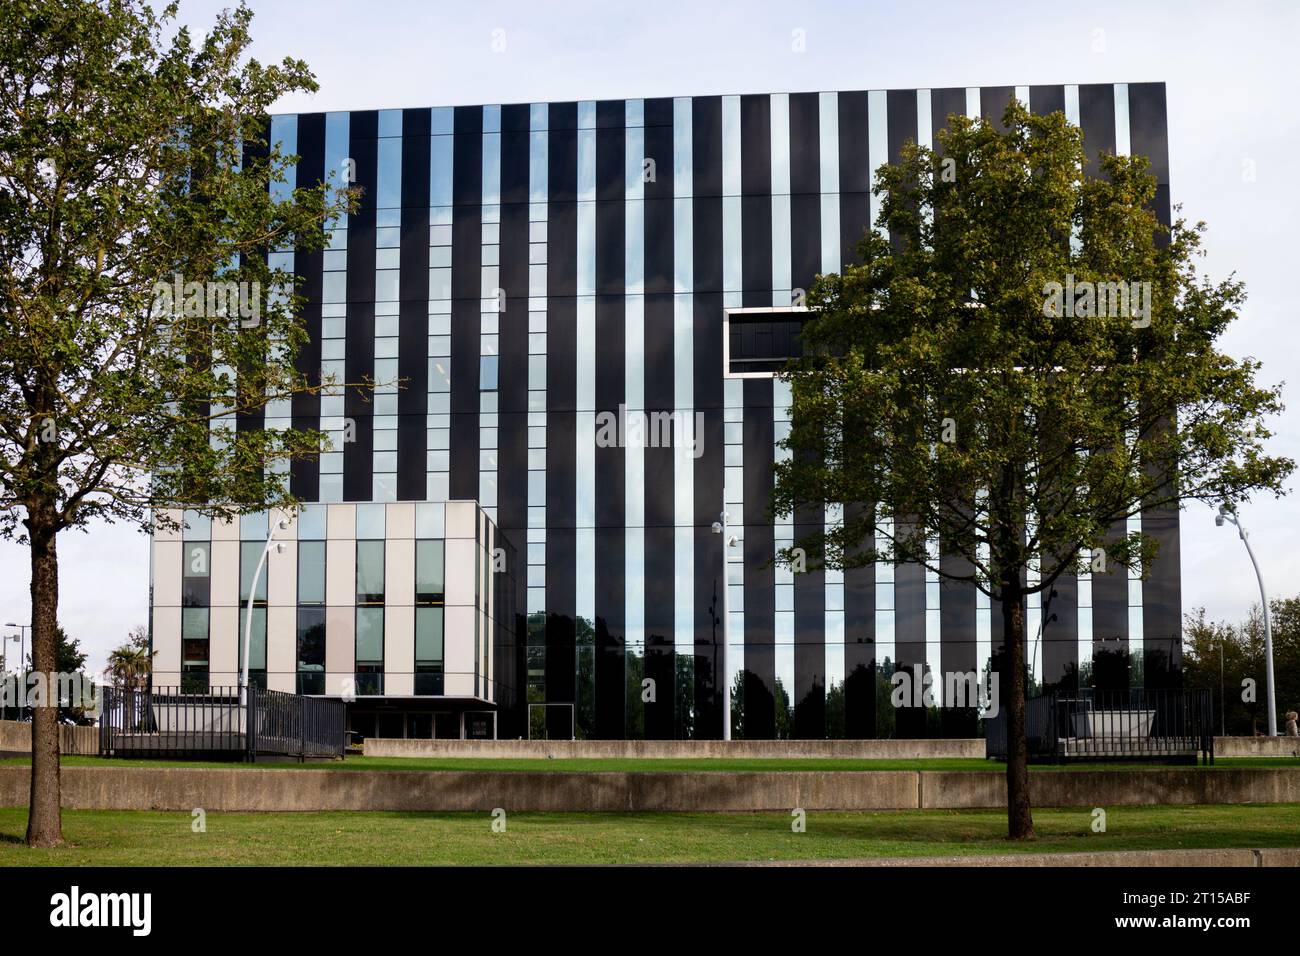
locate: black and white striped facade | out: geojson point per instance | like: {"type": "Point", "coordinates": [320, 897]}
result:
{"type": "Point", "coordinates": [525, 269]}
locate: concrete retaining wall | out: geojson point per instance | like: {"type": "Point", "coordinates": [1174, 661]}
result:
{"type": "Point", "coordinates": [679, 749]}
{"type": "Point", "coordinates": [1257, 746]}
{"type": "Point", "coordinates": [184, 788]}
{"type": "Point", "coordinates": [146, 788]}
{"type": "Point", "coordinates": [954, 790]}
{"type": "Point", "coordinates": [16, 738]}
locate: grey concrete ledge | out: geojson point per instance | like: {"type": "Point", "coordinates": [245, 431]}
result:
{"type": "Point", "coordinates": [1257, 747]}
{"type": "Point", "coordinates": [1286, 857]}
{"type": "Point", "coordinates": [16, 738]}
{"type": "Point", "coordinates": [184, 788]}
{"type": "Point", "coordinates": [248, 789]}
{"type": "Point", "coordinates": [679, 749]}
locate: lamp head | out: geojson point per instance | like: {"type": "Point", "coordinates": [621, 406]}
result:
{"type": "Point", "coordinates": [1218, 521]}
{"type": "Point", "coordinates": [717, 527]}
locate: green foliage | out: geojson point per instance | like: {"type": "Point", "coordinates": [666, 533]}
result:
{"type": "Point", "coordinates": [938, 382]}
{"type": "Point", "coordinates": [129, 159]}
{"type": "Point", "coordinates": [1242, 649]}
{"type": "Point", "coordinates": [130, 664]}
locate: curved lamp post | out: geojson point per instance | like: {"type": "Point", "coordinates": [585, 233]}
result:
{"type": "Point", "coordinates": [1226, 514]}
{"type": "Point", "coordinates": [728, 542]}
{"type": "Point", "coordinates": [281, 525]}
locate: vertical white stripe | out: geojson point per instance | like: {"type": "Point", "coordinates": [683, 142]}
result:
{"type": "Point", "coordinates": [972, 102]}
{"type": "Point", "coordinates": [1123, 145]}
{"type": "Point", "coordinates": [924, 121]}
{"type": "Point", "coordinates": [731, 218]}
{"type": "Point", "coordinates": [828, 114]}
{"type": "Point", "coordinates": [1072, 104]}
{"type": "Point", "coordinates": [877, 143]}
{"type": "Point", "coordinates": [780, 138]}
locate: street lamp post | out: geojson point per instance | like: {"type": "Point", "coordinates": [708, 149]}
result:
{"type": "Point", "coordinates": [728, 542]}
{"type": "Point", "coordinates": [4, 667]}
{"type": "Point", "coordinates": [22, 663]}
{"type": "Point", "coordinates": [281, 525]}
{"type": "Point", "coordinates": [1225, 514]}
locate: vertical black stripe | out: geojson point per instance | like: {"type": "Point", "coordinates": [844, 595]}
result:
{"type": "Point", "coordinates": [512, 394]}
{"type": "Point", "coordinates": [358, 404]}
{"type": "Point", "coordinates": [611, 551]}
{"type": "Point", "coordinates": [760, 579]}
{"type": "Point", "coordinates": [561, 386]}
{"type": "Point", "coordinates": [413, 321]}
{"type": "Point", "coordinates": [855, 173]}
{"type": "Point", "coordinates": [466, 283]}
{"type": "Point", "coordinates": [859, 642]}
{"type": "Point", "coordinates": [706, 219]}
{"type": "Point", "coordinates": [1046, 99]}
{"type": "Point", "coordinates": [1161, 591]}
{"type": "Point", "coordinates": [304, 474]}
{"type": "Point", "coordinates": [944, 104]}
{"type": "Point", "coordinates": [1097, 120]}
{"type": "Point", "coordinates": [994, 101]}
{"type": "Point", "coordinates": [809, 691]}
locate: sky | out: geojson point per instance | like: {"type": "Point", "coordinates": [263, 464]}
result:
{"type": "Point", "coordinates": [1234, 138]}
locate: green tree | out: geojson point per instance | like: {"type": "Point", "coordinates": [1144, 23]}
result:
{"type": "Point", "coordinates": [130, 664]}
{"type": "Point", "coordinates": [134, 165]}
{"type": "Point", "coordinates": [1228, 659]}
{"type": "Point", "coordinates": [990, 416]}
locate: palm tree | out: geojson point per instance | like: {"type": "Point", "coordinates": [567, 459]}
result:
{"type": "Point", "coordinates": [128, 666]}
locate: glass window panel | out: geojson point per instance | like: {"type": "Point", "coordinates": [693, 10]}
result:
{"type": "Point", "coordinates": [253, 526]}
{"type": "Point", "coordinates": [430, 520]}
{"type": "Point", "coordinates": [370, 521]}
{"type": "Point", "coordinates": [487, 372]}
{"type": "Point", "coordinates": [390, 122]}
{"type": "Point", "coordinates": [198, 556]}
{"type": "Point", "coordinates": [429, 571]}
{"type": "Point", "coordinates": [370, 572]}
{"type": "Point", "coordinates": [194, 622]}
{"type": "Point", "coordinates": [257, 657]}
{"type": "Point", "coordinates": [311, 572]}
{"type": "Point", "coordinates": [388, 191]}
{"type": "Point", "coordinates": [311, 638]}
{"type": "Point", "coordinates": [250, 554]}
{"type": "Point", "coordinates": [428, 635]}
{"type": "Point", "coordinates": [370, 635]}
{"type": "Point", "coordinates": [197, 527]}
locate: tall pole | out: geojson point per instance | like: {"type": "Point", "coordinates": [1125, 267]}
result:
{"type": "Point", "coordinates": [1268, 634]}
{"type": "Point", "coordinates": [280, 525]}
{"type": "Point", "coordinates": [1223, 714]}
{"type": "Point", "coordinates": [726, 633]}
{"type": "Point", "coordinates": [21, 672]}
{"type": "Point", "coordinates": [1268, 628]}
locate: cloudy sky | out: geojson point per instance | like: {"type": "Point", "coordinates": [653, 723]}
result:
{"type": "Point", "coordinates": [1234, 144]}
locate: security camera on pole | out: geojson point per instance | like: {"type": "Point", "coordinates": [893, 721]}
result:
{"type": "Point", "coordinates": [728, 542]}
{"type": "Point", "coordinates": [1227, 514]}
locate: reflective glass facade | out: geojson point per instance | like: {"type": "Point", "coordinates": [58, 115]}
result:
{"type": "Point", "coordinates": [550, 283]}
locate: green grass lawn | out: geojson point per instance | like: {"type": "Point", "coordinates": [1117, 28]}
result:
{"type": "Point", "coordinates": [128, 838]}
{"type": "Point", "coordinates": [652, 765]}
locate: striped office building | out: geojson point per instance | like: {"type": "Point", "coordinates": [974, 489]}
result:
{"type": "Point", "coordinates": [584, 302]}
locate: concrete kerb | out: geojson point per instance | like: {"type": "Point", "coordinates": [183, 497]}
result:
{"type": "Point", "coordinates": [1238, 858]}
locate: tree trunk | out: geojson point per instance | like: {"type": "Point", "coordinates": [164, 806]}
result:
{"type": "Point", "coordinates": [44, 824]}
{"type": "Point", "coordinates": [1020, 821]}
